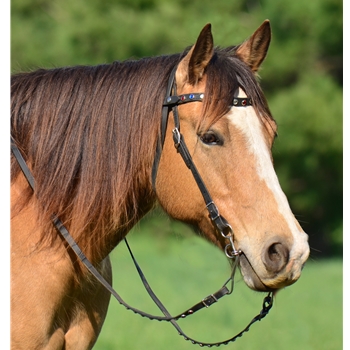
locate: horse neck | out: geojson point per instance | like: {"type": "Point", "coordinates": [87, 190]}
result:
{"type": "Point", "coordinates": [96, 176]}
{"type": "Point", "coordinates": [136, 132]}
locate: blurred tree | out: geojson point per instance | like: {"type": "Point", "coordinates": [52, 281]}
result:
{"type": "Point", "coordinates": [302, 75]}
{"type": "Point", "coordinates": [308, 157]}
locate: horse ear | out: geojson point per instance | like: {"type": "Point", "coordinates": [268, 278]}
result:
{"type": "Point", "coordinates": [192, 67]}
{"type": "Point", "coordinates": [253, 51]}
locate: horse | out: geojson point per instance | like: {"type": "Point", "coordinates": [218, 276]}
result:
{"type": "Point", "coordinates": [102, 156]}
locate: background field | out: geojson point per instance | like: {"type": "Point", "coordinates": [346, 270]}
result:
{"type": "Point", "coordinates": [183, 268]}
{"type": "Point", "coordinates": [302, 78]}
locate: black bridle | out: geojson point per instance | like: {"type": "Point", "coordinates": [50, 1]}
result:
{"type": "Point", "coordinates": [170, 104]}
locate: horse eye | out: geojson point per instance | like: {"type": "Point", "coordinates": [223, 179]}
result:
{"type": "Point", "coordinates": [210, 138]}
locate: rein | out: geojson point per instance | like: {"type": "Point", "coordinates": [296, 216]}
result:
{"type": "Point", "coordinates": [171, 102]}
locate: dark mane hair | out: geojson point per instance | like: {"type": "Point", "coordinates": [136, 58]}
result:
{"type": "Point", "coordinates": [89, 135]}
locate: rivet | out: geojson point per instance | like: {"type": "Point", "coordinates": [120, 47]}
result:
{"type": "Point", "coordinates": [235, 102]}
{"type": "Point", "coordinates": [191, 96]}
{"type": "Point", "coordinates": [182, 98]}
{"type": "Point", "coordinates": [168, 99]}
{"type": "Point", "coordinates": [201, 96]}
{"type": "Point", "coordinates": [244, 102]}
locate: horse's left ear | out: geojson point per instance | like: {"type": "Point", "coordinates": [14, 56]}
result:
{"type": "Point", "coordinates": [253, 51]}
{"type": "Point", "coordinates": [192, 67]}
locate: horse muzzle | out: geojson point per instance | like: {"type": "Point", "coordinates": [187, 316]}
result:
{"type": "Point", "coordinates": [278, 267]}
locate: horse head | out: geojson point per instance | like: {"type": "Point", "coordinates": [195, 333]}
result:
{"type": "Point", "coordinates": [230, 145]}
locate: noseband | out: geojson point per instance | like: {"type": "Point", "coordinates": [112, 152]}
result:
{"type": "Point", "coordinates": [170, 104]}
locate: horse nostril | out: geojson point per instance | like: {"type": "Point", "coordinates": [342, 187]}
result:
{"type": "Point", "coordinates": [276, 257]}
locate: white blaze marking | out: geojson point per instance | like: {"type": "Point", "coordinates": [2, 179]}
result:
{"type": "Point", "coordinates": [246, 120]}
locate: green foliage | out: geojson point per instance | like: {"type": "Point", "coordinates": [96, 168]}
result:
{"type": "Point", "coordinates": [302, 75]}
{"type": "Point", "coordinates": [308, 156]}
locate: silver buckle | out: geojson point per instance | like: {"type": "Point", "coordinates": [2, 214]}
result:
{"type": "Point", "coordinates": [209, 300]}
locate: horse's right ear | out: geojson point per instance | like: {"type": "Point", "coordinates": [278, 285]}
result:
{"type": "Point", "coordinates": [192, 67]}
{"type": "Point", "coordinates": [254, 50]}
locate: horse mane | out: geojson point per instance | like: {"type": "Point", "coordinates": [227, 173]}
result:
{"type": "Point", "coordinates": [89, 134]}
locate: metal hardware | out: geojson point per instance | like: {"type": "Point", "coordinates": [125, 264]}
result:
{"type": "Point", "coordinates": [209, 300]}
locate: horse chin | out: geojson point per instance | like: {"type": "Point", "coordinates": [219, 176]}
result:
{"type": "Point", "coordinates": [250, 277]}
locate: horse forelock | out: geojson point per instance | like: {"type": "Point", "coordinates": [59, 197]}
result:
{"type": "Point", "coordinates": [226, 73]}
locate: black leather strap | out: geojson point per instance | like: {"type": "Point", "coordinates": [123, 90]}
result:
{"type": "Point", "coordinates": [218, 220]}
{"type": "Point", "coordinates": [21, 162]}
{"type": "Point", "coordinates": [208, 301]}
{"type": "Point", "coordinates": [163, 126]}
{"type": "Point", "coordinates": [186, 98]}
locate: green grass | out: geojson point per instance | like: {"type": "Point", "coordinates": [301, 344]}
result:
{"type": "Point", "coordinates": [184, 269]}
